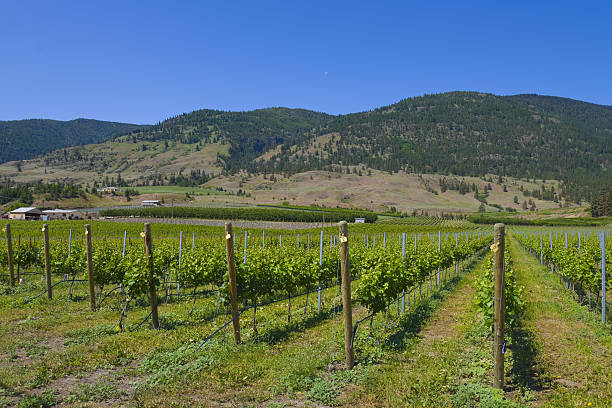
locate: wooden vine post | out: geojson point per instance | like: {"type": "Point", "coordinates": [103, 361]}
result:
{"type": "Point", "coordinates": [9, 250]}
{"type": "Point", "coordinates": [45, 230]}
{"type": "Point", "coordinates": [151, 267]}
{"type": "Point", "coordinates": [90, 277]}
{"type": "Point", "coordinates": [231, 271]}
{"type": "Point", "coordinates": [602, 243]}
{"type": "Point", "coordinates": [499, 301]}
{"type": "Point", "coordinates": [345, 268]}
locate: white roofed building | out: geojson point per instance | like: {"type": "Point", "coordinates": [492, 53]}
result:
{"type": "Point", "coordinates": [25, 213]}
{"type": "Point", "coordinates": [151, 203]}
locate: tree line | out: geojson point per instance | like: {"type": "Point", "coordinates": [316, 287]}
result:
{"type": "Point", "coordinates": [601, 204]}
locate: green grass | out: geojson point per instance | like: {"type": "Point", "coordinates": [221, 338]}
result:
{"type": "Point", "coordinates": [48, 345]}
{"type": "Point", "coordinates": [196, 190]}
{"type": "Point", "coordinates": [437, 354]}
{"type": "Point", "coordinates": [446, 363]}
{"type": "Point", "coordinates": [513, 219]}
{"type": "Point", "coordinates": [55, 342]}
{"type": "Point", "coordinates": [567, 355]}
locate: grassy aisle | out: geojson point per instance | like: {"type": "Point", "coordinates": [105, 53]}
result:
{"type": "Point", "coordinates": [294, 372]}
{"type": "Point", "coordinates": [448, 364]}
{"type": "Point", "coordinates": [73, 355]}
{"type": "Point", "coordinates": [57, 351]}
{"type": "Point", "coordinates": [572, 349]}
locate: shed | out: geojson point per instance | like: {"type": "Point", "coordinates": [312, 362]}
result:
{"type": "Point", "coordinates": [151, 203]}
{"type": "Point", "coordinates": [25, 213]}
{"type": "Point", "coordinates": [109, 190]}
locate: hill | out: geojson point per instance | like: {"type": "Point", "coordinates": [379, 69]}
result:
{"type": "Point", "coordinates": [25, 139]}
{"type": "Point", "coordinates": [465, 136]}
{"type": "Point", "coordinates": [595, 120]}
{"type": "Point", "coordinates": [464, 133]}
{"type": "Point", "coordinates": [249, 134]}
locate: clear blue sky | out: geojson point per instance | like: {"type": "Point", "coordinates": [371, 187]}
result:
{"type": "Point", "coordinates": [144, 61]}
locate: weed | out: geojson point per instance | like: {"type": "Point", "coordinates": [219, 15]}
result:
{"type": "Point", "coordinates": [46, 399]}
{"type": "Point", "coordinates": [292, 383]}
{"type": "Point", "coordinates": [323, 391]}
{"type": "Point", "coordinates": [34, 351]}
{"type": "Point", "coordinates": [8, 290]}
{"type": "Point", "coordinates": [168, 366]}
{"type": "Point", "coordinates": [89, 335]}
{"type": "Point", "coordinates": [276, 405]}
{"type": "Point", "coordinates": [41, 378]}
{"type": "Point", "coordinates": [100, 391]}
{"type": "Point", "coordinates": [476, 395]}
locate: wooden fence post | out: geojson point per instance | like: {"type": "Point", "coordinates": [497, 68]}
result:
{"type": "Point", "coordinates": [18, 263]}
{"type": "Point", "coordinates": [152, 289]}
{"type": "Point", "coordinates": [47, 261]}
{"type": "Point", "coordinates": [602, 243]}
{"type": "Point", "coordinates": [231, 271]}
{"type": "Point", "coordinates": [345, 268]}
{"type": "Point", "coordinates": [9, 250]}
{"type": "Point", "coordinates": [499, 305]}
{"type": "Point", "coordinates": [90, 277]}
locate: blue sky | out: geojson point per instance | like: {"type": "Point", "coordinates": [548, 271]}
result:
{"type": "Point", "coordinates": [144, 61]}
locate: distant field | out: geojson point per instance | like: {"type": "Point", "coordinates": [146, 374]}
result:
{"type": "Point", "coordinates": [179, 190]}
{"type": "Point", "coordinates": [512, 219]}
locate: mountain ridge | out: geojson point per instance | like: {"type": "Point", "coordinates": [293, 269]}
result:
{"type": "Point", "coordinates": [461, 133]}
{"type": "Point", "coordinates": [28, 138]}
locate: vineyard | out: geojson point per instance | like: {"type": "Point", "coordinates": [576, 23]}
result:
{"type": "Point", "coordinates": [577, 259]}
{"type": "Point", "coordinates": [270, 269]}
{"type": "Point", "coordinates": [159, 308]}
{"type": "Point", "coordinates": [250, 213]}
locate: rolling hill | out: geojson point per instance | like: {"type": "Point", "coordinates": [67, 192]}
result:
{"type": "Point", "coordinates": [465, 134]}
{"type": "Point", "coordinates": [24, 139]}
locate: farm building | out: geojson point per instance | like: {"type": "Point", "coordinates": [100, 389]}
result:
{"type": "Point", "coordinates": [59, 214]}
{"type": "Point", "coordinates": [26, 213]}
{"type": "Point", "coordinates": [109, 190]}
{"type": "Point", "coordinates": [151, 203]}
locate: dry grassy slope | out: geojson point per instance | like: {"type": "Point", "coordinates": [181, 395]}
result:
{"type": "Point", "coordinates": [373, 189]}
{"type": "Point", "coordinates": [377, 191]}
{"type": "Point", "coordinates": [111, 158]}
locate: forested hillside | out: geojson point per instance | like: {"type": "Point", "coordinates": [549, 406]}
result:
{"type": "Point", "coordinates": [456, 133]}
{"type": "Point", "coordinates": [465, 133]}
{"type": "Point", "coordinates": [249, 133]}
{"type": "Point", "coordinates": [24, 139]}
{"type": "Point", "coordinates": [596, 120]}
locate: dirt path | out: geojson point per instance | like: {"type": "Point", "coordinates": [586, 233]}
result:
{"type": "Point", "coordinates": [573, 351]}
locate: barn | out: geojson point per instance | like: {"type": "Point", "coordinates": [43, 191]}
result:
{"type": "Point", "coordinates": [151, 203]}
{"type": "Point", "coordinates": [26, 213]}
